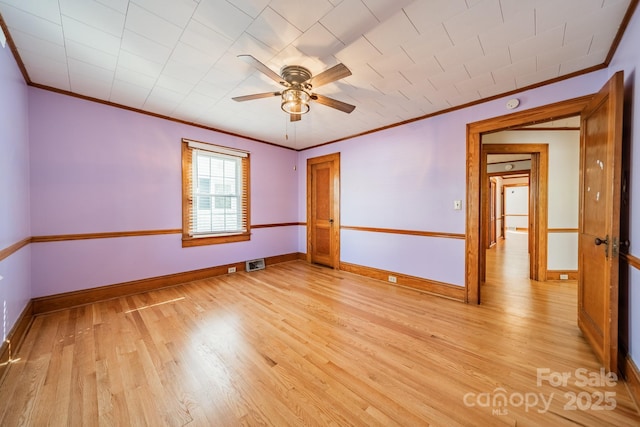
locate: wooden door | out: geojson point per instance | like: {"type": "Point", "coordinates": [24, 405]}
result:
{"type": "Point", "coordinates": [323, 210]}
{"type": "Point", "coordinates": [598, 242]}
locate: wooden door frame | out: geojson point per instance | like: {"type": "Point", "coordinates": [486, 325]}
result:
{"type": "Point", "coordinates": [473, 248]}
{"type": "Point", "coordinates": [335, 232]}
{"type": "Point", "coordinates": [493, 212]}
{"type": "Point", "coordinates": [538, 203]}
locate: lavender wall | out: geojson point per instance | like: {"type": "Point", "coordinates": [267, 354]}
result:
{"type": "Point", "coordinates": [408, 178]}
{"type": "Point", "coordinates": [15, 284]}
{"type": "Point", "coordinates": [627, 58]}
{"type": "Point", "coordinates": [97, 168]}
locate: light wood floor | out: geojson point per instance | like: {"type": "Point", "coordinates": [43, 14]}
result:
{"type": "Point", "coordinates": [297, 344]}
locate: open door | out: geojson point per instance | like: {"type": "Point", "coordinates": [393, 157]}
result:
{"type": "Point", "coordinates": [599, 225]}
{"type": "Point", "coordinates": [323, 210]}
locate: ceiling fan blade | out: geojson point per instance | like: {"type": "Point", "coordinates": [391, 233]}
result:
{"type": "Point", "coordinates": [256, 96]}
{"type": "Point", "coordinates": [262, 68]}
{"type": "Point", "coordinates": [333, 103]}
{"type": "Point", "coordinates": [334, 73]}
{"type": "Point", "coordinates": [295, 117]}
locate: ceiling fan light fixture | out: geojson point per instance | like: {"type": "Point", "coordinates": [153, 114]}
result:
{"type": "Point", "coordinates": [295, 101]}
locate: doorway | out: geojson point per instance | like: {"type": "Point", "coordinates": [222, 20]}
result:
{"type": "Point", "coordinates": [534, 162]}
{"type": "Point", "coordinates": [600, 177]}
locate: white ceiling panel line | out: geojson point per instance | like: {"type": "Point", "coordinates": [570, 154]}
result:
{"type": "Point", "coordinates": [408, 58]}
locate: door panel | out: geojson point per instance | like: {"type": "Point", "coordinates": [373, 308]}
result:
{"type": "Point", "coordinates": [323, 229]}
{"type": "Point", "coordinates": [600, 165]}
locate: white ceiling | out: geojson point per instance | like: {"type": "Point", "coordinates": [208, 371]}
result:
{"type": "Point", "coordinates": [178, 58]}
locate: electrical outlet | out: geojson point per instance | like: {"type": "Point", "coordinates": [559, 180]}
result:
{"type": "Point", "coordinates": [231, 270]}
{"type": "Point", "coordinates": [393, 279]}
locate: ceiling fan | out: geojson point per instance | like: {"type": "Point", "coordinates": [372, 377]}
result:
{"type": "Point", "coordinates": [298, 83]}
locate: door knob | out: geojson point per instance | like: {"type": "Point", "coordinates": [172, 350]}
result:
{"type": "Point", "coordinates": [599, 241]}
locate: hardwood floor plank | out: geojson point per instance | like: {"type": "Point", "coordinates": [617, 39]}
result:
{"type": "Point", "coordinates": [298, 344]}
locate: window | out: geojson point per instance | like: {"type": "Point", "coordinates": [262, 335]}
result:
{"type": "Point", "coordinates": [215, 194]}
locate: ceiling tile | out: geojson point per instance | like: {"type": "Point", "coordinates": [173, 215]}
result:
{"type": "Point", "coordinates": [174, 84]}
{"type": "Point", "coordinates": [486, 63]}
{"type": "Point", "coordinates": [273, 30]}
{"type": "Point", "coordinates": [143, 47]}
{"type": "Point", "coordinates": [518, 27]}
{"type": "Point", "coordinates": [190, 73]}
{"type": "Point", "coordinates": [602, 40]}
{"type": "Point", "coordinates": [163, 101]}
{"type": "Point", "coordinates": [292, 56]}
{"type": "Point", "coordinates": [358, 52]}
{"type": "Point", "coordinates": [177, 12]}
{"type": "Point", "coordinates": [32, 24]}
{"type": "Point", "coordinates": [38, 46]}
{"type": "Point", "coordinates": [548, 17]}
{"type": "Point", "coordinates": [449, 77]}
{"type": "Point", "coordinates": [574, 65]}
{"type": "Point", "coordinates": [464, 98]}
{"type": "Point", "coordinates": [203, 38]}
{"type": "Point", "coordinates": [420, 72]}
{"type": "Point", "coordinates": [318, 42]}
{"type": "Point", "coordinates": [119, 5]}
{"type": "Point", "coordinates": [518, 68]}
{"type": "Point", "coordinates": [222, 17]}
{"type": "Point", "coordinates": [45, 9]}
{"type": "Point", "coordinates": [301, 13]}
{"type": "Point", "coordinates": [537, 44]}
{"type": "Point", "coordinates": [471, 22]}
{"type": "Point", "coordinates": [392, 83]}
{"type": "Point", "coordinates": [349, 21]}
{"type": "Point", "coordinates": [88, 86]}
{"type": "Point", "coordinates": [246, 44]}
{"type": "Point", "coordinates": [46, 71]}
{"type": "Point", "coordinates": [132, 77]}
{"type": "Point", "coordinates": [95, 14]}
{"type": "Point", "coordinates": [514, 8]}
{"type": "Point", "coordinates": [570, 51]}
{"type": "Point", "coordinates": [90, 80]}
{"type": "Point", "coordinates": [392, 33]}
{"type": "Point", "coordinates": [462, 52]}
{"type": "Point", "coordinates": [391, 62]}
{"type": "Point", "coordinates": [151, 26]}
{"type": "Point", "coordinates": [426, 15]}
{"type": "Point", "coordinates": [252, 8]}
{"type": "Point", "coordinates": [211, 89]}
{"type": "Point", "coordinates": [139, 64]}
{"type": "Point", "coordinates": [541, 75]}
{"type": "Point", "coordinates": [92, 56]}
{"type": "Point", "coordinates": [583, 26]}
{"type": "Point", "coordinates": [424, 47]}
{"type": "Point", "coordinates": [501, 87]}
{"type": "Point", "coordinates": [385, 9]}
{"type": "Point", "coordinates": [475, 83]}
{"type": "Point", "coordinates": [129, 94]}
{"type": "Point", "coordinates": [77, 67]}
{"type": "Point", "coordinates": [229, 71]}
{"type": "Point", "coordinates": [90, 36]}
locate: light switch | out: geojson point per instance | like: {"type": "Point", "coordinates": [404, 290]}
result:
{"type": "Point", "coordinates": [457, 205]}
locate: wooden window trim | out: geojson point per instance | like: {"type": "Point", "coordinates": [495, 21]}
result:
{"type": "Point", "coordinates": [187, 198]}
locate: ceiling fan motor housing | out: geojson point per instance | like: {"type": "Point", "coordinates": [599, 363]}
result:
{"type": "Point", "coordinates": [295, 75]}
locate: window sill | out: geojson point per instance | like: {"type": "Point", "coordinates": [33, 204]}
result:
{"type": "Point", "coordinates": [188, 241]}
